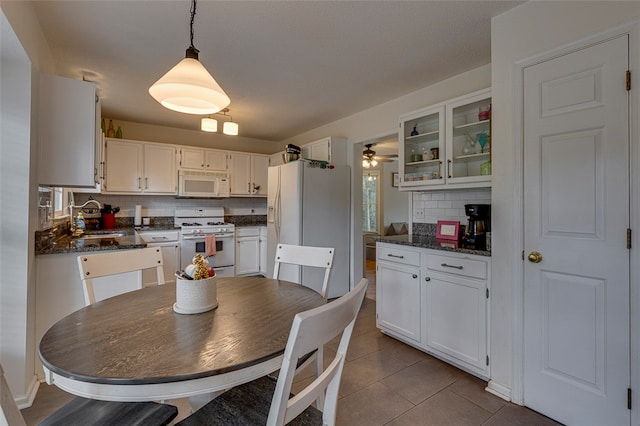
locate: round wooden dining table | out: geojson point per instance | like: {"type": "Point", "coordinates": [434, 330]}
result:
{"type": "Point", "coordinates": [134, 347]}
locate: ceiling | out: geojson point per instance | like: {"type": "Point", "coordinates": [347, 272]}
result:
{"type": "Point", "coordinates": [288, 66]}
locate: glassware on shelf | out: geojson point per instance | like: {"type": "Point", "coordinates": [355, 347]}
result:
{"type": "Point", "coordinates": [484, 112]}
{"type": "Point", "coordinates": [469, 146]}
{"type": "Point", "coordinates": [482, 139]}
{"type": "Point", "coordinates": [414, 132]}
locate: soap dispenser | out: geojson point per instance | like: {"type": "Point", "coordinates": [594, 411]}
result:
{"type": "Point", "coordinates": [80, 224]}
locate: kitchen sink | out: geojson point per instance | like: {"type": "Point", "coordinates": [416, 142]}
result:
{"type": "Point", "coordinates": [106, 235]}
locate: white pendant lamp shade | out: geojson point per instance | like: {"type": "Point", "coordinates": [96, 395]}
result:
{"type": "Point", "coordinates": [209, 124]}
{"type": "Point", "coordinates": [189, 88]}
{"type": "Point", "coordinates": [230, 128]}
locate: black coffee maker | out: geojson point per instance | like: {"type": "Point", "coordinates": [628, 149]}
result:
{"type": "Point", "coordinates": [479, 224]}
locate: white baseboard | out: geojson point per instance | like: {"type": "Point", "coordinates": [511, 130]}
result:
{"type": "Point", "coordinates": [499, 390]}
{"type": "Point", "coordinates": [26, 400]}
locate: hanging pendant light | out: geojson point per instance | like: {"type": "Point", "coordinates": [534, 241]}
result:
{"type": "Point", "coordinates": [209, 124]}
{"type": "Point", "coordinates": [230, 128]}
{"type": "Point", "coordinates": [188, 87]}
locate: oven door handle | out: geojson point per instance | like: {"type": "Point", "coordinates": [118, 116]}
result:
{"type": "Point", "coordinates": [201, 236]}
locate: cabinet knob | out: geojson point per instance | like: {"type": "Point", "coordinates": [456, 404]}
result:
{"type": "Point", "coordinates": [427, 279]}
{"type": "Point", "coordinates": [415, 276]}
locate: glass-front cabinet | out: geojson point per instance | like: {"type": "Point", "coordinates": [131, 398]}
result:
{"type": "Point", "coordinates": [447, 145]}
{"type": "Point", "coordinates": [469, 139]}
{"type": "Point", "coordinates": [422, 141]}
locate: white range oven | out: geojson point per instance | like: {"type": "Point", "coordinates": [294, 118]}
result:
{"type": "Point", "coordinates": [195, 224]}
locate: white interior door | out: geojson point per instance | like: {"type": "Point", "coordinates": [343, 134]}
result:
{"type": "Point", "coordinates": [576, 215]}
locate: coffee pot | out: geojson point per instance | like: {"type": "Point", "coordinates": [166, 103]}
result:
{"type": "Point", "coordinates": [479, 224]}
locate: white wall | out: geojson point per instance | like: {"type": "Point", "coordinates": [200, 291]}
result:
{"type": "Point", "coordinates": [520, 33]}
{"type": "Point", "coordinates": [382, 120]}
{"type": "Point", "coordinates": [16, 243]}
{"type": "Point", "coordinates": [19, 193]}
{"type": "Point", "coordinates": [195, 137]}
{"type": "Point", "coordinates": [395, 203]}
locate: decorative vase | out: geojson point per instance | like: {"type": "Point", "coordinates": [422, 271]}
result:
{"type": "Point", "coordinates": [195, 296]}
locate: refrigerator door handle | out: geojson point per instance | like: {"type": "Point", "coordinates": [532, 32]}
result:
{"type": "Point", "coordinates": [276, 210]}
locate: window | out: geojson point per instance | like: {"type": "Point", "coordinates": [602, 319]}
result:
{"type": "Point", "coordinates": [370, 201]}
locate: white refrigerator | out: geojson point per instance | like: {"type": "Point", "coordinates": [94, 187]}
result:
{"type": "Point", "coordinates": [310, 206]}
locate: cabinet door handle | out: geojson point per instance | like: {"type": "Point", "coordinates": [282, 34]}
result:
{"type": "Point", "coordinates": [414, 276]}
{"type": "Point", "coordinates": [139, 182]}
{"type": "Point", "coordinates": [146, 183]}
{"type": "Point", "coordinates": [449, 168]}
{"type": "Point", "coordinates": [450, 266]}
{"type": "Point", "coordinates": [427, 279]}
{"type": "Point", "coordinates": [395, 255]}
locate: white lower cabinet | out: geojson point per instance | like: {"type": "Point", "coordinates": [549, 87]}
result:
{"type": "Point", "coordinates": [169, 243]}
{"type": "Point", "coordinates": [444, 310]}
{"type": "Point", "coordinates": [399, 293]}
{"type": "Point", "coordinates": [247, 251]}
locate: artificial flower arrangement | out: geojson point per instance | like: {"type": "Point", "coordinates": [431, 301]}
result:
{"type": "Point", "coordinates": [196, 288]}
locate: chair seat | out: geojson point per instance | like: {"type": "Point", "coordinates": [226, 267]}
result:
{"type": "Point", "coordinates": [244, 405]}
{"type": "Point", "coordinates": [86, 412]}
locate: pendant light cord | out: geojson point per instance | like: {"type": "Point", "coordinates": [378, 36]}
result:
{"type": "Point", "coordinates": [192, 52]}
{"type": "Point", "coordinates": [193, 18]}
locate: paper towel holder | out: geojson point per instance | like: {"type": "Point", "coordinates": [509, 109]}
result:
{"type": "Point", "coordinates": [137, 220]}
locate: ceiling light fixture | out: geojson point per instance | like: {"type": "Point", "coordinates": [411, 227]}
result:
{"type": "Point", "coordinates": [209, 124]}
{"type": "Point", "coordinates": [188, 87]}
{"type": "Point", "coordinates": [367, 157]}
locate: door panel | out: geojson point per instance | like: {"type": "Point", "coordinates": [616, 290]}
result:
{"type": "Point", "coordinates": [576, 214]}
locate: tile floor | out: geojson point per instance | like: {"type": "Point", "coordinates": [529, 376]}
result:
{"type": "Point", "coordinates": [384, 382]}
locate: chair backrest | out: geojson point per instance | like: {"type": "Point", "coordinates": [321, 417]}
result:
{"type": "Point", "coordinates": [92, 266]}
{"type": "Point", "coordinates": [311, 330]}
{"type": "Point", "coordinates": [318, 257]}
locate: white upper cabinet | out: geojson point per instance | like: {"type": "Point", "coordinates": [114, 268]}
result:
{"type": "Point", "coordinates": [68, 133]}
{"type": "Point", "coordinates": [447, 145]}
{"type": "Point", "coordinates": [159, 176]}
{"type": "Point", "coordinates": [248, 174]}
{"type": "Point", "coordinates": [203, 159]}
{"type": "Point", "coordinates": [421, 148]}
{"type": "Point", "coordinates": [133, 167]}
{"type": "Point", "coordinates": [330, 149]}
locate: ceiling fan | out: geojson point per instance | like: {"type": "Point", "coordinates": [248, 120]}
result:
{"type": "Point", "coordinates": [370, 159]}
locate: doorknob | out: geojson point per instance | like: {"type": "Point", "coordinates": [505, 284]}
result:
{"type": "Point", "coordinates": [535, 257]}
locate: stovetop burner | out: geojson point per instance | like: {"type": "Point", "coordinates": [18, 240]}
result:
{"type": "Point", "coordinates": [190, 224]}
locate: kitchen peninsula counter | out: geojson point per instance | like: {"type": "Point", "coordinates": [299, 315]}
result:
{"type": "Point", "coordinates": [64, 243]}
{"type": "Point", "coordinates": [430, 242]}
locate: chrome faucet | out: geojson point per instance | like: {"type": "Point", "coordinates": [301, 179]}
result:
{"type": "Point", "coordinates": [73, 229]}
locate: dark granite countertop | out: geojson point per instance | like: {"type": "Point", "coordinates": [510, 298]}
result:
{"type": "Point", "coordinates": [430, 242]}
{"type": "Point", "coordinates": [67, 244]}
{"type": "Point", "coordinates": [159, 227]}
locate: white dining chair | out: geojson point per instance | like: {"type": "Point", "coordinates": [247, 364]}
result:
{"type": "Point", "coordinates": [318, 257]}
{"type": "Point", "coordinates": [89, 412]}
{"type": "Point", "coordinates": [264, 401]}
{"type": "Point", "coordinates": [114, 262]}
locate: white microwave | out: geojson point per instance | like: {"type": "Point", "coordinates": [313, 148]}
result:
{"type": "Point", "coordinates": [195, 184]}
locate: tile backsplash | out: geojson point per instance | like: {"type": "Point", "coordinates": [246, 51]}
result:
{"type": "Point", "coordinates": [429, 207]}
{"type": "Point", "coordinates": [159, 205]}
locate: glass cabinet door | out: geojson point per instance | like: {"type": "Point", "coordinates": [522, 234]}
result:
{"type": "Point", "coordinates": [469, 139]}
{"type": "Point", "coordinates": [421, 148]}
